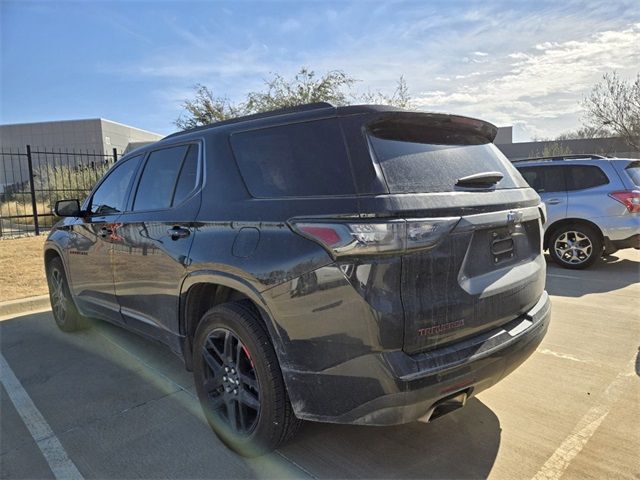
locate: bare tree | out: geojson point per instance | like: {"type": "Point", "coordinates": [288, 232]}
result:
{"type": "Point", "coordinates": [613, 106]}
{"type": "Point", "coordinates": [400, 97]}
{"type": "Point", "coordinates": [584, 132]}
{"type": "Point", "coordinates": [305, 87]}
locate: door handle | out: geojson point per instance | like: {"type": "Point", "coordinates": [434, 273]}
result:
{"type": "Point", "coordinates": [178, 232]}
{"type": "Point", "coordinates": [105, 232]}
{"type": "Point", "coordinates": [554, 201]}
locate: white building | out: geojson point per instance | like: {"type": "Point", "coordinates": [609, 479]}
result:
{"type": "Point", "coordinates": [93, 135]}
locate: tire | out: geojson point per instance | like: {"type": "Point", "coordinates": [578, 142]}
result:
{"type": "Point", "coordinates": [238, 377]}
{"type": "Point", "coordinates": [63, 307]}
{"type": "Point", "coordinates": [575, 246]}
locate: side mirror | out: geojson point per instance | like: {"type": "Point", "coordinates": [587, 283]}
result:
{"type": "Point", "coordinates": [68, 208]}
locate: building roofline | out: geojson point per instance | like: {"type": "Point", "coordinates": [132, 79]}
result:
{"type": "Point", "coordinates": [51, 121]}
{"type": "Point", "coordinates": [98, 119]}
{"type": "Point", "coordinates": [130, 126]}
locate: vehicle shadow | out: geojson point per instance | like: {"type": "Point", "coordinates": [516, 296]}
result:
{"type": "Point", "coordinates": [607, 275]}
{"type": "Point", "coordinates": [117, 410]}
{"type": "Point", "coordinates": [415, 450]}
{"type": "Point", "coordinates": [463, 444]}
{"type": "Point", "coordinates": [123, 407]}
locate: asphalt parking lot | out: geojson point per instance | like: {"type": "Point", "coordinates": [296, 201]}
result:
{"type": "Point", "coordinates": [121, 407]}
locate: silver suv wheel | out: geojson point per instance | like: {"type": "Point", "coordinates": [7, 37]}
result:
{"type": "Point", "coordinates": [573, 247]}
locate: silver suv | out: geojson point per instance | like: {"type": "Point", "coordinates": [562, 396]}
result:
{"type": "Point", "coordinates": [593, 205]}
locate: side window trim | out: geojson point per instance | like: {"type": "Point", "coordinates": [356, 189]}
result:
{"type": "Point", "coordinates": [198, 178]}
{"type": "Point", "coordinates": [89, 201]}
{"type": "Point", "coordinates": [563, 172]}
{"type": "Point", "coordinates": [138, 177]}
{"type": "Point", "coordinates": [136, 182]}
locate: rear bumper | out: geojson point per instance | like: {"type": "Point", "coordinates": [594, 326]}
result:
{"type": "Point", "coordinates": [619, 227]}
{"type": "Point", "coordinates": [393, 387]}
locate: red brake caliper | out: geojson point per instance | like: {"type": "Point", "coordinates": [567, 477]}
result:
{"type": "Point", "coordinates": [246, 352]}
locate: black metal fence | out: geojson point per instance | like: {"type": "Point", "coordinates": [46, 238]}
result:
{"type": "Point", "coordinates": [33, 179]}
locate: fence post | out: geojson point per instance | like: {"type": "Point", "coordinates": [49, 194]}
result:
{"type": "Point", "coordinates": [34, 205]}
{"type": "Point", "coordinates": [115, 155]}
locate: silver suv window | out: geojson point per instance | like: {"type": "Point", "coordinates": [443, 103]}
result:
{"type": "Point", "coordinates": [633, 170]}
{"type": "Point", "coordinates": [560, 178]}
{"type": "Point", "coordinates": [581, 177]}
{"type": "Point", "coordinates": [544, 179]}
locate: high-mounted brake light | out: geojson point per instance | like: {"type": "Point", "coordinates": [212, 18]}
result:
{"type": "Point", "coordinates": [361, 238]}
{"type": "Point", "coordinates": [629, 198]}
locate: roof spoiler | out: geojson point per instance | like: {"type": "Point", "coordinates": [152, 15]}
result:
{"type": "Point", "coordinates": [440, 121]}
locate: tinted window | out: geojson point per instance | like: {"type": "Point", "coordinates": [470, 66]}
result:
{"type": "Point", "coordinates": [580, 177]}
{"type": "Point", "coordinates": [187, 177]}
{"type": "Point", "coordinates": [544, 179]}
{"type": "Point", "coordinates": [305, 159]}
{"type": "Point", "coordinates": [633, 170]}
{"type": "Point", "coordinates": [418, 157]}
{"type": "Point", "coordinates": [111, 195]}
{"type": "Point", "coordinates": [156, 187]}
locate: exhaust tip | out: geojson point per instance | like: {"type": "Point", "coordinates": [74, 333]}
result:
{"type": "Point", "coordinates": [446, 405]}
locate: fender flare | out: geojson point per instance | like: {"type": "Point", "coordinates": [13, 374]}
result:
{"type": "Point", "coordinates": [52, 246]}
{"type": "Point", "coordinates": [234, 282]}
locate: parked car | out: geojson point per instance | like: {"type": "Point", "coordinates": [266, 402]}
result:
{"type": "Point", "coordinates": [593, 205]}
{"type": "Point", "coordinates": [359, 265]}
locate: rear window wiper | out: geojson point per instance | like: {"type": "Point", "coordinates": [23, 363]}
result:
{"type": "Point", "coordinates": [480, 180]}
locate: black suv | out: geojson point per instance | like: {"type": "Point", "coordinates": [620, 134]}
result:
{"type": "Point", "coordinates": [359, 264]}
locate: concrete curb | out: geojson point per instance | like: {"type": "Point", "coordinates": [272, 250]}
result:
{"type": "Point", "coordinates": [16, 307]}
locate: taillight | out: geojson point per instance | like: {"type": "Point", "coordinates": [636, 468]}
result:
{"type": "Point", "coordinates": [356, 238]}
{"type": "Point", "coordinates": [629, 198]}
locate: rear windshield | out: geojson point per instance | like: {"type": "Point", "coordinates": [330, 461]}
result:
{"type": "Point", "coordinates": [633, 170]}
{"type": "Point", "coordinates": [296, 160]}
{"type": "Point", "coordinates": [419, 158]}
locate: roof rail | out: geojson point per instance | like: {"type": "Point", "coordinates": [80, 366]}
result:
{"type": "Point", "coordinates": [557, 158]}
{"type": "Point", "coordinates": [271, 113]}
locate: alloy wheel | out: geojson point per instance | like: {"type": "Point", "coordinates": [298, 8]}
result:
{"type": "Point", "coordinates": [573, 247]}
{"type": "Point", "coordinates": [230, 381]}
{"type": "Point", "coordinates": [58, 297]}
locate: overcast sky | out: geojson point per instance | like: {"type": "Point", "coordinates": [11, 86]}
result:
{"type": "Point", "coordinates": [526, 64]}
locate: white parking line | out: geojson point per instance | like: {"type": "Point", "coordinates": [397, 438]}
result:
{"type": "Point", "coordinates": [51, 448]}
{"type": "Point", "coordinates": [565, 356]}
{"type": "Point", "coordinates": [557, 463]}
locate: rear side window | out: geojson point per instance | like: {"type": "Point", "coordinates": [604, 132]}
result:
{"type": "Point", "coordinates": [633, 170]}
{"type": "Point", "coordinates": [169, 175]}
{"type": "Point", "coordinates": [297, 160]}
{"type": "Point", "coordinates": [580, 177]}
{"type": "Point", "coordinates": [544, 179]}
{"type": "Point", "coordinates": [423, 158]}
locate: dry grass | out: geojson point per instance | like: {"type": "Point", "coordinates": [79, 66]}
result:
{"type": "Point", "coordinates": [10, 208]}
{"type": "Point", "coordinates": [22, 268]}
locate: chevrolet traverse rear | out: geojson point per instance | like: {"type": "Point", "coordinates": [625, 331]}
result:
{"type": "Point", "coordinates": [361, 264]}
